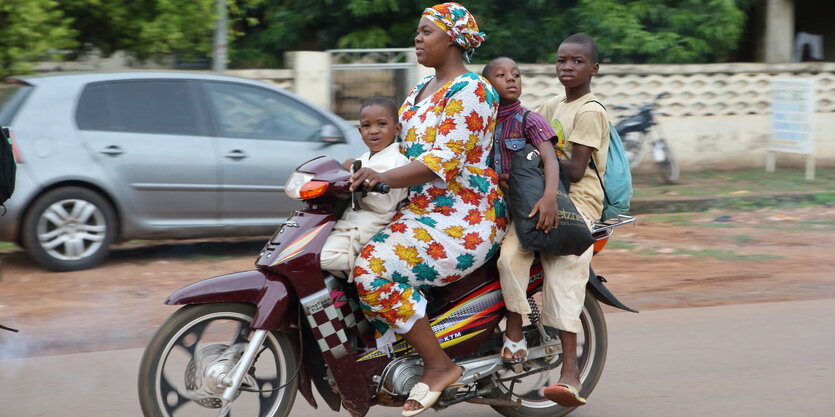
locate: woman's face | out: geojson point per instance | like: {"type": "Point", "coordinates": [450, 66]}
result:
{"type": "Point", "coordinates": [431, 43]}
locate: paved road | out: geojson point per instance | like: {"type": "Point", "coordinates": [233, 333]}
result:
{"type": "Point", "coordinates": [754, 360]}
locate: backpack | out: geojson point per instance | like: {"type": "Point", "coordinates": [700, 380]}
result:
{"type": "Point", "coordinates": [617, 180]}
{"type": "Point", "coordinates": [8, 167]}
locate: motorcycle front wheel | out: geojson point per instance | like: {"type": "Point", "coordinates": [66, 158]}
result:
{"type": "Point", "coordinates": [591, 357]}
{"type": "Point", "coordinates": [196, 347]}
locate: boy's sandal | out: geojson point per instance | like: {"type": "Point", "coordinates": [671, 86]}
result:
{"type": "Point", "coordinates": [564, 395]}
{"type": "Point", "coordinates": [514, 348]}
{"type": "Point", "coordinates": [421, 394]}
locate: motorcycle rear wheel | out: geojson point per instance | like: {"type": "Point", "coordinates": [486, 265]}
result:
{"type": "Point", "coordinates": [194, 338]}
{"type": "Point", "coordinates": [668, 168]}
{"type": "Point", "coordinates": [591, 355]}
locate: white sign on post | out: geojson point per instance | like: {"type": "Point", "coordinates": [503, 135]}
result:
{"type": "Point", "coordinates": [792, 123]}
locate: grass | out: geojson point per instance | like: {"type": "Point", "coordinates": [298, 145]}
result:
{"type": "Point", "coordinates": [738, 183]}
{"type": "Point", "coordinates": [8, 246]}
{"type": "Point", "coordinates": [723, 255]}
{"type": "Point", "coordinates": [740, 239]}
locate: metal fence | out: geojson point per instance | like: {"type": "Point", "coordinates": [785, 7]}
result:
{"type": "Point", "coordinates": [358, 74]}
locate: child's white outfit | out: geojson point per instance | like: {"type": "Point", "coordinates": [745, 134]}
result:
{"type": "Point", "coordinates": [356, 228]}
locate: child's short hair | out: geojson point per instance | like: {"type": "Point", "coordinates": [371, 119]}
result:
{"type": "Point", "coordinates": [485, 72]}
{"type": "Point", "coordinates": [583, 39]}
{"type": "Point", "coordinates": [383, 102]}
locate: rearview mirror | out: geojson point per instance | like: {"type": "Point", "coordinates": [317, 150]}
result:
{"type": "Point", "coordinates": [331, 134]}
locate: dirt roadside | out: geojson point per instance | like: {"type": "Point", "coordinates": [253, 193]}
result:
{"type": "Point", "coordinates": [671, 260]}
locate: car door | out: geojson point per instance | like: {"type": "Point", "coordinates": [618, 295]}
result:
{"type": "Point", "coordinates": [264, 136]}
{"type": "Point", "coordinates": [152, 138]}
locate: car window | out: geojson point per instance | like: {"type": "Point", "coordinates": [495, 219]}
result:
{"type": "Point", "coordinates": [141, 106]}
{"type": "Point", "coordinates": [244, 111]}
{"type": "Point", "coordinates": [11, 98]}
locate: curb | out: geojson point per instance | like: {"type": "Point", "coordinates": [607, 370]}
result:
{"type": "Point", "coordinates": [689, 204]}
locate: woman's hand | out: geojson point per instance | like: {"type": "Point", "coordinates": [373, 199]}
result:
{"type": "Point", "coordinates": [368, 178]}
{"type": "Point", "coordinates": [548, 212]}
{"type": "Point", "coordinates": [504, 181]}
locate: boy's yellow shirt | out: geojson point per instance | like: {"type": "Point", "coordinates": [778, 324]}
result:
{"type": "Point", "coordinates": [581, 121]}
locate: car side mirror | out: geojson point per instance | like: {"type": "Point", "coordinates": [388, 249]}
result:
{"type": "Point", "coordinates": [331, 134]}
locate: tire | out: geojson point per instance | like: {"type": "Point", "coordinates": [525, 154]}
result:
{"type": "Point", "coordinates": [633, 144]}
{"type": "Point", "coordinates": [69, 229]}
{"type": "Point", "coordinates": [591, 349]}
{"type": "Point", "coordinates": [168, 365]}
{"type": "Point", "coordinates": [668, 168]}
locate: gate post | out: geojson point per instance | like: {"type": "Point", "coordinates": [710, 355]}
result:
{"type": "Point", "coordinates": [311, 76]}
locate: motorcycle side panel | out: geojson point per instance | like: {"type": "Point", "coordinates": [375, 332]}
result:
{"type": "Point", "coordinates": [294, 250]}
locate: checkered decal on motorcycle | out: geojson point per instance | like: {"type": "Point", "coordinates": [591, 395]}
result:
{"type": "Point", "coordinates": [325, 324]}
{"type": "Point", "coordinates": [348, 307]}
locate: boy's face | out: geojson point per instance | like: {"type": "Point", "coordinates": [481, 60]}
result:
{"type": "Point", "coordinates": [506, 79]}
{"type": "Point", "coordinates": [574, 65]}
{"type": "Point", "coordinates": [378, 128]}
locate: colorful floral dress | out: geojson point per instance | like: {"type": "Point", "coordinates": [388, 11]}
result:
{"type": "Point", "coordinates": [449, 226]}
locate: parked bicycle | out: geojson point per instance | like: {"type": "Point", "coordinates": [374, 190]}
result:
{"type": "Point", "coordinates": [640, 129]}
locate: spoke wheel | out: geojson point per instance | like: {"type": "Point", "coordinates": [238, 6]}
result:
{"type": "Point", "coordinates": [69, 229]}
{"type": "Point", "coordinates": [668, 167]}
{"type": "Point", "coordinates": [196, 348]}
{"type": "Point", "coordinates": [633, 144]}
{"type": "Point", "coordinates": [591, 357]}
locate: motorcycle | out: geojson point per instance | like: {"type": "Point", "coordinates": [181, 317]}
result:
{"type": "Point", "coordinates": [251, 340]}
{"type": "Point", "coordinates": [637, 129]}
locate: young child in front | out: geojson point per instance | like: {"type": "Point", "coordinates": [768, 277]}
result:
{"type": "Point", "coordinates": [516, 125]}
{"type": "Point", "coordinates": [379, 127]}
{"type": "Point", "coordinates": [583, 134]}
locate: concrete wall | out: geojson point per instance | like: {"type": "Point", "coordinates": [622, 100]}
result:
{"type": "Point", "coordinates": [720, 114]}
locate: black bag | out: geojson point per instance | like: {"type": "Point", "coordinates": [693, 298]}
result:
{"type": "Point", "coordinates": [527, 183]}
{"type": "Point", "coordinates": [8, 167]}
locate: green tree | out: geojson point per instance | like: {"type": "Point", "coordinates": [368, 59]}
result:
{"type": "Point", "coordinates": [31, 30]}
{"type": "Point", "coordinates": [637, 31]}
{"type": "Point", "coordinates": [148, 29]}
{"type": "Point", "coordinates": [662, 31]}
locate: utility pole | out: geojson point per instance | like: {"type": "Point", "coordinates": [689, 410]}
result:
{"type": "Point", "coordinates": [219, 50]}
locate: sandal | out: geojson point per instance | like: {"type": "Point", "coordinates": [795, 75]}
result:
{"type": "Point", "coordinates": [564, 395]}
{"type": "Point", "coordinates": [420, 393]}
{"type": "Point", "coordinates": [514, 348]}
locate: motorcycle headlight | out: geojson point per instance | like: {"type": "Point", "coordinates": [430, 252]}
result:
{"type": "Point", "coordinates": [295, 183]}
{"type": "Point", "coordinates": [301, 186]}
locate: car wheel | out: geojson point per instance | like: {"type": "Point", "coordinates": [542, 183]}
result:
{"type": "Point", "coordinates": [68, 229]}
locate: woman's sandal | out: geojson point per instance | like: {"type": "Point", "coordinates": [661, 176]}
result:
{"type": "Point", "coordinates": [421, 394]}
{"type": "Point", "coordinates": [564, 395]}
{"type": "Point", "coordinates": [514, 348]}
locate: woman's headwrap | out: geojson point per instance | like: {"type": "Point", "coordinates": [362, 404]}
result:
{"type": "Point", "coordinates": [459, 24]}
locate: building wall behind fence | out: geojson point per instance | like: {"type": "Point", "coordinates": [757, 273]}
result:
{"type": "Point", "coordinates": [720, 114]}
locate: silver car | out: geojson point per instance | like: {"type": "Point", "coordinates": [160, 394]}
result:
{"type": "Point", "coordinates": [108, 157]}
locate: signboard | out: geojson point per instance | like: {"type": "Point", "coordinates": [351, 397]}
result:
{"type": "Point", "coordinates": [793, 105]}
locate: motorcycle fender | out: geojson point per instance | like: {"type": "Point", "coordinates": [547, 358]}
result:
{"type": "Point", "coordinates": [268, 292]}
{"type": "Point", "coordinates": [603, 294]}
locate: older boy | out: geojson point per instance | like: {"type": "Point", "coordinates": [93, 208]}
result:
{"type": "Point", "coordinates": [581, 126]}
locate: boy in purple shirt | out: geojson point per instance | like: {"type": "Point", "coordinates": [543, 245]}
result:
{"type": "Point", "coordinates": [515, 126]}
